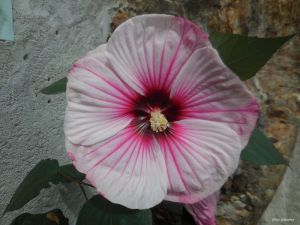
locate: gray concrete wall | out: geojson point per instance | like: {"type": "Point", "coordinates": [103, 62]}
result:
{"type": "Point", "coordinates": [50, 35]}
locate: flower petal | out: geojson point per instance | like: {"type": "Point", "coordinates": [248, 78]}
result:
{"type": "Point", "coordinates": [204, 211]}
{"type": "Point", "coordinates": [210, 91]}
{"type": "Point", "coordinates": [127, 169]}
{"type": "Point", "coordinates": [200, 155]}
{"type": "Point", "coordinates": [99, 50]}
{"type": "Point", "coordinates": [97, 99]}
{"type": "Point", "coordinates": [148, 51]}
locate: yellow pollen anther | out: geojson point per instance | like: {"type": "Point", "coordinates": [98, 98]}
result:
{"type": "Point", "coordinates": [158, 121]}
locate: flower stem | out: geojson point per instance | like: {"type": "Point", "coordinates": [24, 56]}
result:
{"type": "Point", "coordinates": [83, 191]}
{"type": "Point", "coordinates": [83, 183]}
{"type": "Point", "coordinates": [80, 183]}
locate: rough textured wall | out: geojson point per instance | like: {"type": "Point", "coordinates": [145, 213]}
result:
{"type": "Point", "coordinates": [50, 35]}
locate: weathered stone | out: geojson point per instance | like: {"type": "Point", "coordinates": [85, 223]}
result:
{"type": "Point", "coordinates": [243, 198]}
{"type": "Point", "coordinates": [239, 205]}
{"type": "Point", "coordinates": [119, 18]}
{"type": "Point", "coordinates": [225, 209]}
{"type": "Point", "coordinates": [223, 221]}
{"type": "Point", "coordinates": [234, 198]}
{"type": "Point", "coordinates": [269, 193]}
{"type": "Point", "coordinates": [243, 213]}
{"type": "Point", "coordinates": [255, 200]}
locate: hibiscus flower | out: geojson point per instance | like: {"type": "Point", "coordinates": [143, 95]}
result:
{"type": "Point", "coordinates": [155, 114]}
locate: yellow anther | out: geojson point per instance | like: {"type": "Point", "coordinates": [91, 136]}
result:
{"type": "Point", "coordinates": [158, 121]}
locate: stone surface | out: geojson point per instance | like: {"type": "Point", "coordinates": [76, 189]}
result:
{"type": "Point", "coordinates": [50, 35]}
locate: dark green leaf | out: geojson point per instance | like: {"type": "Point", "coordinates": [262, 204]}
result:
{"type": "Point", "coordinates": [69, 173]}
{"type": "Point", "coordinates": [99, 211]}
{"type": "Point", "coordinates": [37, 179]}
{"type": "Point", "coordinates": [173, 207]}
{"type": "Point", "coordinates": [186, 218]}
{"type": "Point", "coordinates": [260, 151]}
{"type": "Point", "coordinates": [246, 55]}
{"type": "Point", "coordinates": [56, 88]}
{"type": "Point", "coordinates": [167, 213]}
{"type": "Point", "coordinates": [53, 217]}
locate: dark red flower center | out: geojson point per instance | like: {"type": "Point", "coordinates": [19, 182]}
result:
{"type": "Point", "coordinates": [155, 99]}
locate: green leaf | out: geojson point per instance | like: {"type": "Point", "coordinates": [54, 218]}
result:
{"type": "Point", "coordinates": [186, 218]}
{"type": "Point", "coordinates": [168, 213]}
{"type": "Point", "coordinates": [56, 88]}
{"type": "Point", "coordinates": [99, 211]}
{"type": "Point", "coordinates": [260, 151]}
{"type": "Point", "coordinates": [45, 172]}
{"type": "Point", "coordinates": [53, 217]}
{"type": "Point", "coordinates": [70, 174]}
{"type": "Point", "coordinates": [246, 55]}
{"type": "Point", "coordinates": [37, 179]}
{"type": "Point", "coordinates": [173, 207]}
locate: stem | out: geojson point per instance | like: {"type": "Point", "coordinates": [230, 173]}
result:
{"type": "Point", "coordinates": [80, 183]}
{"type": "Point", "coordinates": [83, 191]}
{"type": "Point", "coordinates": [68, 177]}
{"type": "Point", "coordinates": [74, 180]}
{"type": "Point", "coordinates": [84, 183]}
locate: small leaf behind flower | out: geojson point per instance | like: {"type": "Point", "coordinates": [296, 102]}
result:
{"type": "Point", "coordinates": [167, 213]}
{"type": "Point", "coordinates": [261, 151]}
{"type": "Point", "coordinates": [45, 172]}
{"type": "Point", "coordinates": [186, 218]}
{"type": "Point", "coordinates": [56, 88]}
{"type": "Point", "coordinates": [54, 217]}
{"type": "Point", "coordinates": [40, 177]}
{"type": "Point", "coordinates": [246, 55]}
{"type": "Point", "coordinates": [99, 211]}
{"type": "Point", "coordinates": [69, 173]}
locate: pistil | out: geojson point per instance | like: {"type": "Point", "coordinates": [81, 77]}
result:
{"type": "Point", "coordinates": [158, 122]}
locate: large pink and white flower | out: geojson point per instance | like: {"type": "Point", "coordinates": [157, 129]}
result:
{"type": "Point", "coordinates": [154, 114]}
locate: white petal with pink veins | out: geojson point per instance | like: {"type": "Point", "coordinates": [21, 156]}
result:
{"type": "Point", "coordinates": [165, 64]}
{"type": "Point", "coordinates": [148, 51]}
{"type": "Point", "coordinates": [204, 211]}
{"type": "Point", "coordinates": [97, 102]}
{"type": "Point", "coordinates": [200, 155]}
{"type": "Point", "coordinates": [210, 91]}
{"type": "Point", "coordinates": [127, 169]}
{"type": "Point", "coordinates": [99, 50]}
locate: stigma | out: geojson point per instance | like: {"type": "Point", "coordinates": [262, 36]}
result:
{"type": "Point", "coordinates": [158, 121]}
